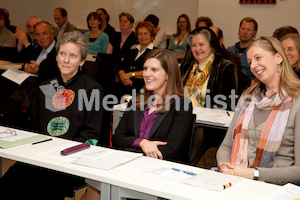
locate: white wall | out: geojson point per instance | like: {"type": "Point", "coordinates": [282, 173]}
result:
{"type": "Point", "coordinates": [225, 14]}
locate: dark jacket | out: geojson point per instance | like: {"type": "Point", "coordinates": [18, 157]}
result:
{"type": "Point", "coordinates": [120, 53]}
{"type": "Point", "coordinates": [111, 32]}
{"type": "Point", "coordinates": [129, 64]}
{"type": "Point", "coordinates": [222, 79]}
{"type": "Point", "coordinates": [173, 127]}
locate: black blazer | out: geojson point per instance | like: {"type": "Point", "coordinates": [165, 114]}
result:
{"type": "Point", "coordinates": [129, 64]}
{"type": "Point", "coordinates": [120, 53]}
{"type": "Point", "coordinates": [173, 127]}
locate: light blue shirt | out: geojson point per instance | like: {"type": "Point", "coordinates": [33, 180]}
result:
{"type": "Point", "coordinates": [100, 45]}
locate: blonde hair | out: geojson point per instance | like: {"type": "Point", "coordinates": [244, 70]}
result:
{"type": "Point", "coordinates": [296, 38]}
{"type": "Point", "coordinates": [288, 79]}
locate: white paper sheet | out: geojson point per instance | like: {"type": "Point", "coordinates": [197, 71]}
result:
{"type": "Point", "coordinates": [9, 65]}
{"type": "Point", "coordinates": [162, 172]}
{"type": "Point", "coordinates": [286, 192]}
{"type": "Point", "coordinates": [16, 76]}
{"type": "Point", "coordinates": [96, 157]}
{"type": "Point", "coordinates": [213, 116]}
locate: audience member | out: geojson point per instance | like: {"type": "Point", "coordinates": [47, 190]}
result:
{"type": "Point", "coordinates": [69, 123]}
{"type": "Point", "coordinates": [10, 27]}
{"type": "Point", "coordinates": [206, 75]}
{"type": "Point", "coordinates": [131, 68]}
{"type": "Point", "coordinates": [125, 39]}
{"type": "Point", "coordinates": [243, 80]}
{"type": "Point", "coordinates": [152, 128]}
{"type": "Point", "coordinates": [7, 38]}
{"type": "Point", "coordinates": [44, 61]}
{"type": "Point", "coordinates": [219, 34]}
{"type": "Point", "coordinates": [61, 19]}
{"type": "Point", "coordinates": [203, 22]}
{"type": "Point", "coordinates": [97, 40]}
{"type": "Point", "coordinates": [178, 41]}
{"type": "Point", "coordinates": [27, 40]}
{"type": "Point", "coordinates": [262, 140]}
{"type": "Point", "coordinates": [284, 30]}
{"type": "Point", "coordinates": [291, 45]}
{"type": "Point", "coordinates": [160, 40]}
{"type": "Point", "coordinates": [105, 26]}
{"type": "Point", "coordinates": [247, 31]}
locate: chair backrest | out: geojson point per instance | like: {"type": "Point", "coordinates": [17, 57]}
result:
{"type": "Point", "coordinates": [187, 149]}
{"type": "Point", "coordinates": [7, 53]}
{"type": "Point", "coordinates": [192, 137]}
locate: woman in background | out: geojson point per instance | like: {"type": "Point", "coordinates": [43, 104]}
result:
{"type": "Point", "coordinates": [263, 138]}
{"type": "Point", "coordinates": [7, 38]}
{"type": "Point", "coordinates": [207, 74]}
{"type": "Point", "coordinates": [97, 40]}
{"type": "Point", "coordinates": [123, 40]}
{"type": "Point", "coordinates": [131, 68]}
{"type": "Point", "coordinates": [291, 45]}
{"type": "Point", "coordinates": [105, 26]}
{"type": "Point", "coordinates": [178, 41]}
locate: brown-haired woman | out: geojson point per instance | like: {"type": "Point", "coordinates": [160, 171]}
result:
{"type": "Point", "coordinates": [178, 41]}
{"type": "Point", "coordinates": [159, 126]}
{"type": "Point", "coordinates": [97, 40]}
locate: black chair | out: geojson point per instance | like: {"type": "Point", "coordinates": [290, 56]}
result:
{"type": "Point", "coordinates": [104, 71]}
{"type": "Point", "coordinates": [187, 147]}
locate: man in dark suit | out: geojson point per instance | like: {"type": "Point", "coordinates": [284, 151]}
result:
{"type": "Point", "coordinates": [61, 19]}
{"type": "Point", "coordinates": [27, 40]}
{"type": "Point", "coordinates": [44, 62]}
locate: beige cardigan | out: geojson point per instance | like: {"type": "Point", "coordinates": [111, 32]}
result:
{"type": "Point", "coordinates": [286, 167]}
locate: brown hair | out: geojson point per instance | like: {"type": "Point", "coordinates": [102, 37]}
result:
{"type": "Point", "coordinates": [188, 24]}
{"type": "Point", "coordinates": [174, 84]}
{"type": "Point", "coordinates": [95, 16]}
{"type": "Point", "coordinates": [250, 19]}
{"type": "Point", "coordinates": [128, 16]}
{"type": "Point", "coordinates": [288, 79]}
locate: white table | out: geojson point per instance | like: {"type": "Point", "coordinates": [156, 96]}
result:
{"type": "Point", "coordinates": [121, 182]}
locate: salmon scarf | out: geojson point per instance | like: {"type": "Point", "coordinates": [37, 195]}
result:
{"type": "Point", "coordinates": [271, 135]}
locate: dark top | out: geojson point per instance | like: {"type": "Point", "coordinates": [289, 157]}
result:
{"type": "Point", "coordinates": [120, 53]}
{"type": "Point", "coordinates": [110, 31]}
{"type": "Point", "coordinates": [72, 116]}
{"type": "Point", "coordinates": [129, 64]}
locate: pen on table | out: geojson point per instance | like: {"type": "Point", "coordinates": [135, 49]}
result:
{"type": "Point", "coordinates": [228, 113]}
{"type": "Point", "coordinates": [42, 141]}
{"type": "Point", "coordinates": [183, 171]}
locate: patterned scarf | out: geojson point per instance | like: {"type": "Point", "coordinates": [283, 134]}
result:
{"type": "Point", "coordinates": [271, 135]}
{"type": "Point", "coordinates": [194, 85]}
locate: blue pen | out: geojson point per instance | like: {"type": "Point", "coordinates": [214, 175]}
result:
{"type": "Point", "coordinates": [183, 171]}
